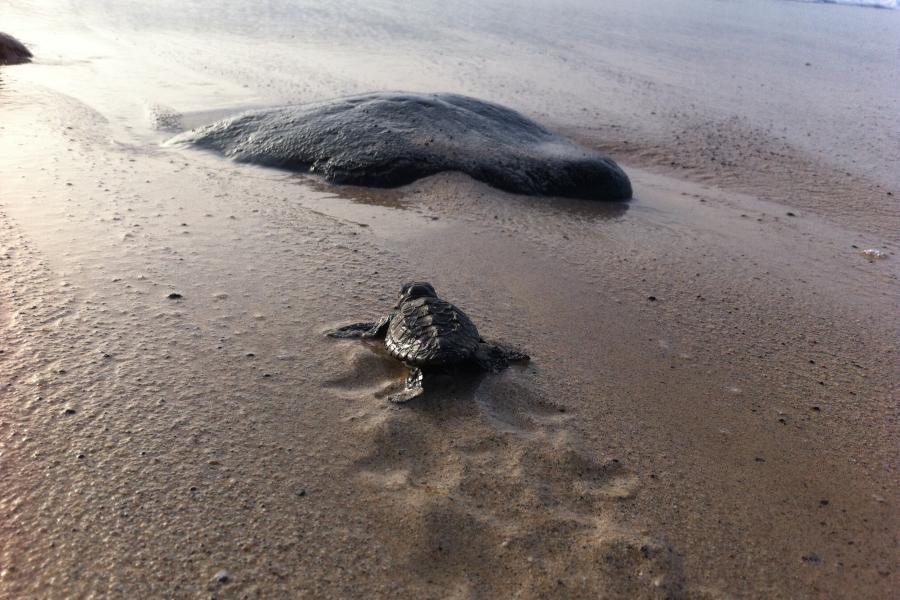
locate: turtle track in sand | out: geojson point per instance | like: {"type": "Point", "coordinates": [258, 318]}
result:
{"type": "Point", "coordinates": [391, 139]}
{"type": "Point", "coordinates": [490, 494]}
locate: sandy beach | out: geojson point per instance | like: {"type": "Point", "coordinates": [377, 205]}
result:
{"type": "Point", "coordinates": [710, 409]}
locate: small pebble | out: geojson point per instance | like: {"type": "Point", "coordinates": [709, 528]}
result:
{"type": "Point", "coordinates": [651, 298]}
{"type": "Point", "coordinates": [223, 576]}
{"type": "Point", "coordinates": [174, 296]}
{"type": "Point", "coordinates": [812, 557]}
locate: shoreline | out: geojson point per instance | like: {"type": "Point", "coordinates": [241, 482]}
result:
{"type": "Point", "coordinates": [709, 412]}
{"type": "Point", "coordinates": [560, 280]}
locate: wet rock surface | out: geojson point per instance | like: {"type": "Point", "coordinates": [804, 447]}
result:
{"type": "Point", "coordinates": [392, 139]}
{"type": "Point", "coordinates": [12, 51]}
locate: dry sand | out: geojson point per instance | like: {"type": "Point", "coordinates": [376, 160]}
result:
{"type": "Point", "coordinates": [710, 410]}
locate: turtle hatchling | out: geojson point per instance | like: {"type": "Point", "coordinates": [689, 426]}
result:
{"type": "Point", "coordinates": [430, 334]}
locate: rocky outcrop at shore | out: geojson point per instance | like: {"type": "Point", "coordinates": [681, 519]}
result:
{"type": "Point", "coordinates": [12, 51]}
{"type": "Point", "coordinates": [391, 139]}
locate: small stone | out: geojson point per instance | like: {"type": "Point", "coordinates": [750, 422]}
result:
{"type": "Point", "coordinates": [790, 214]}
{"type": "Point", "coordinates": [174, 296]}
{"type": "Point", "coordinates": [69, 411]}
{"type": "Point", "coordinates": [812, 557]}
{"type": "Point", "coordinates": [222, 576]}
{"type": "Point", "coordinates": [301, 493]}
{"type": "Point", "coordinates": [651, 298]}
{"type": "Point", "coordinates": [823, 502]}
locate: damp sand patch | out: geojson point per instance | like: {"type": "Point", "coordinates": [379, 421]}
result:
{"type": "Point", "coordinates": [392, 139]}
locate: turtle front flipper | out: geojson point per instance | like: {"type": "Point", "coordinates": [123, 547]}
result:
{"type": "Point", "coordinates": [370, 331]}
{"type": "Point", "coordinates": [496, 357]}
{"type": "Point", "coordinates": [414, 387]}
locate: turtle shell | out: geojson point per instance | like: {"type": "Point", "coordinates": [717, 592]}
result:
{"type": "Point", "coordinates": [430, 331]}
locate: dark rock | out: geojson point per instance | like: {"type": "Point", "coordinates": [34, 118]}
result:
{"type": "Point", "coordinates": [12, 51]}
{"type": "Point", "coordinates": [812, 557]}
{"type": "Point", "coordinates": [391, 139]}
{"type": "Point", "coordinates": [174, 296]}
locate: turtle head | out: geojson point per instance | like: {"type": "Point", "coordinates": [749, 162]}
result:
{"type": "Point", "coordinates": [415, 289]}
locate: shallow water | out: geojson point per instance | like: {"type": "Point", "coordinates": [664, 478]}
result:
{"type": "Point", "coordinates": [731, 436]}
{"type": "Point", "coordinates": [865, 3]}
{"type": "Point", "coordinates": [793, 102]}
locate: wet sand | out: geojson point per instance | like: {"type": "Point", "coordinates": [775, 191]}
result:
{"type": "Point", "coordinates": [710, 410]}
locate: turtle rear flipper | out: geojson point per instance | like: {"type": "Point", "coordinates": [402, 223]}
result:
{"type": "Point", "coordinates": [367, 330]}
{"type": "Point", "coordinates": [413, 389]}
{"type": "Point", "coordinates": [496, 357]}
